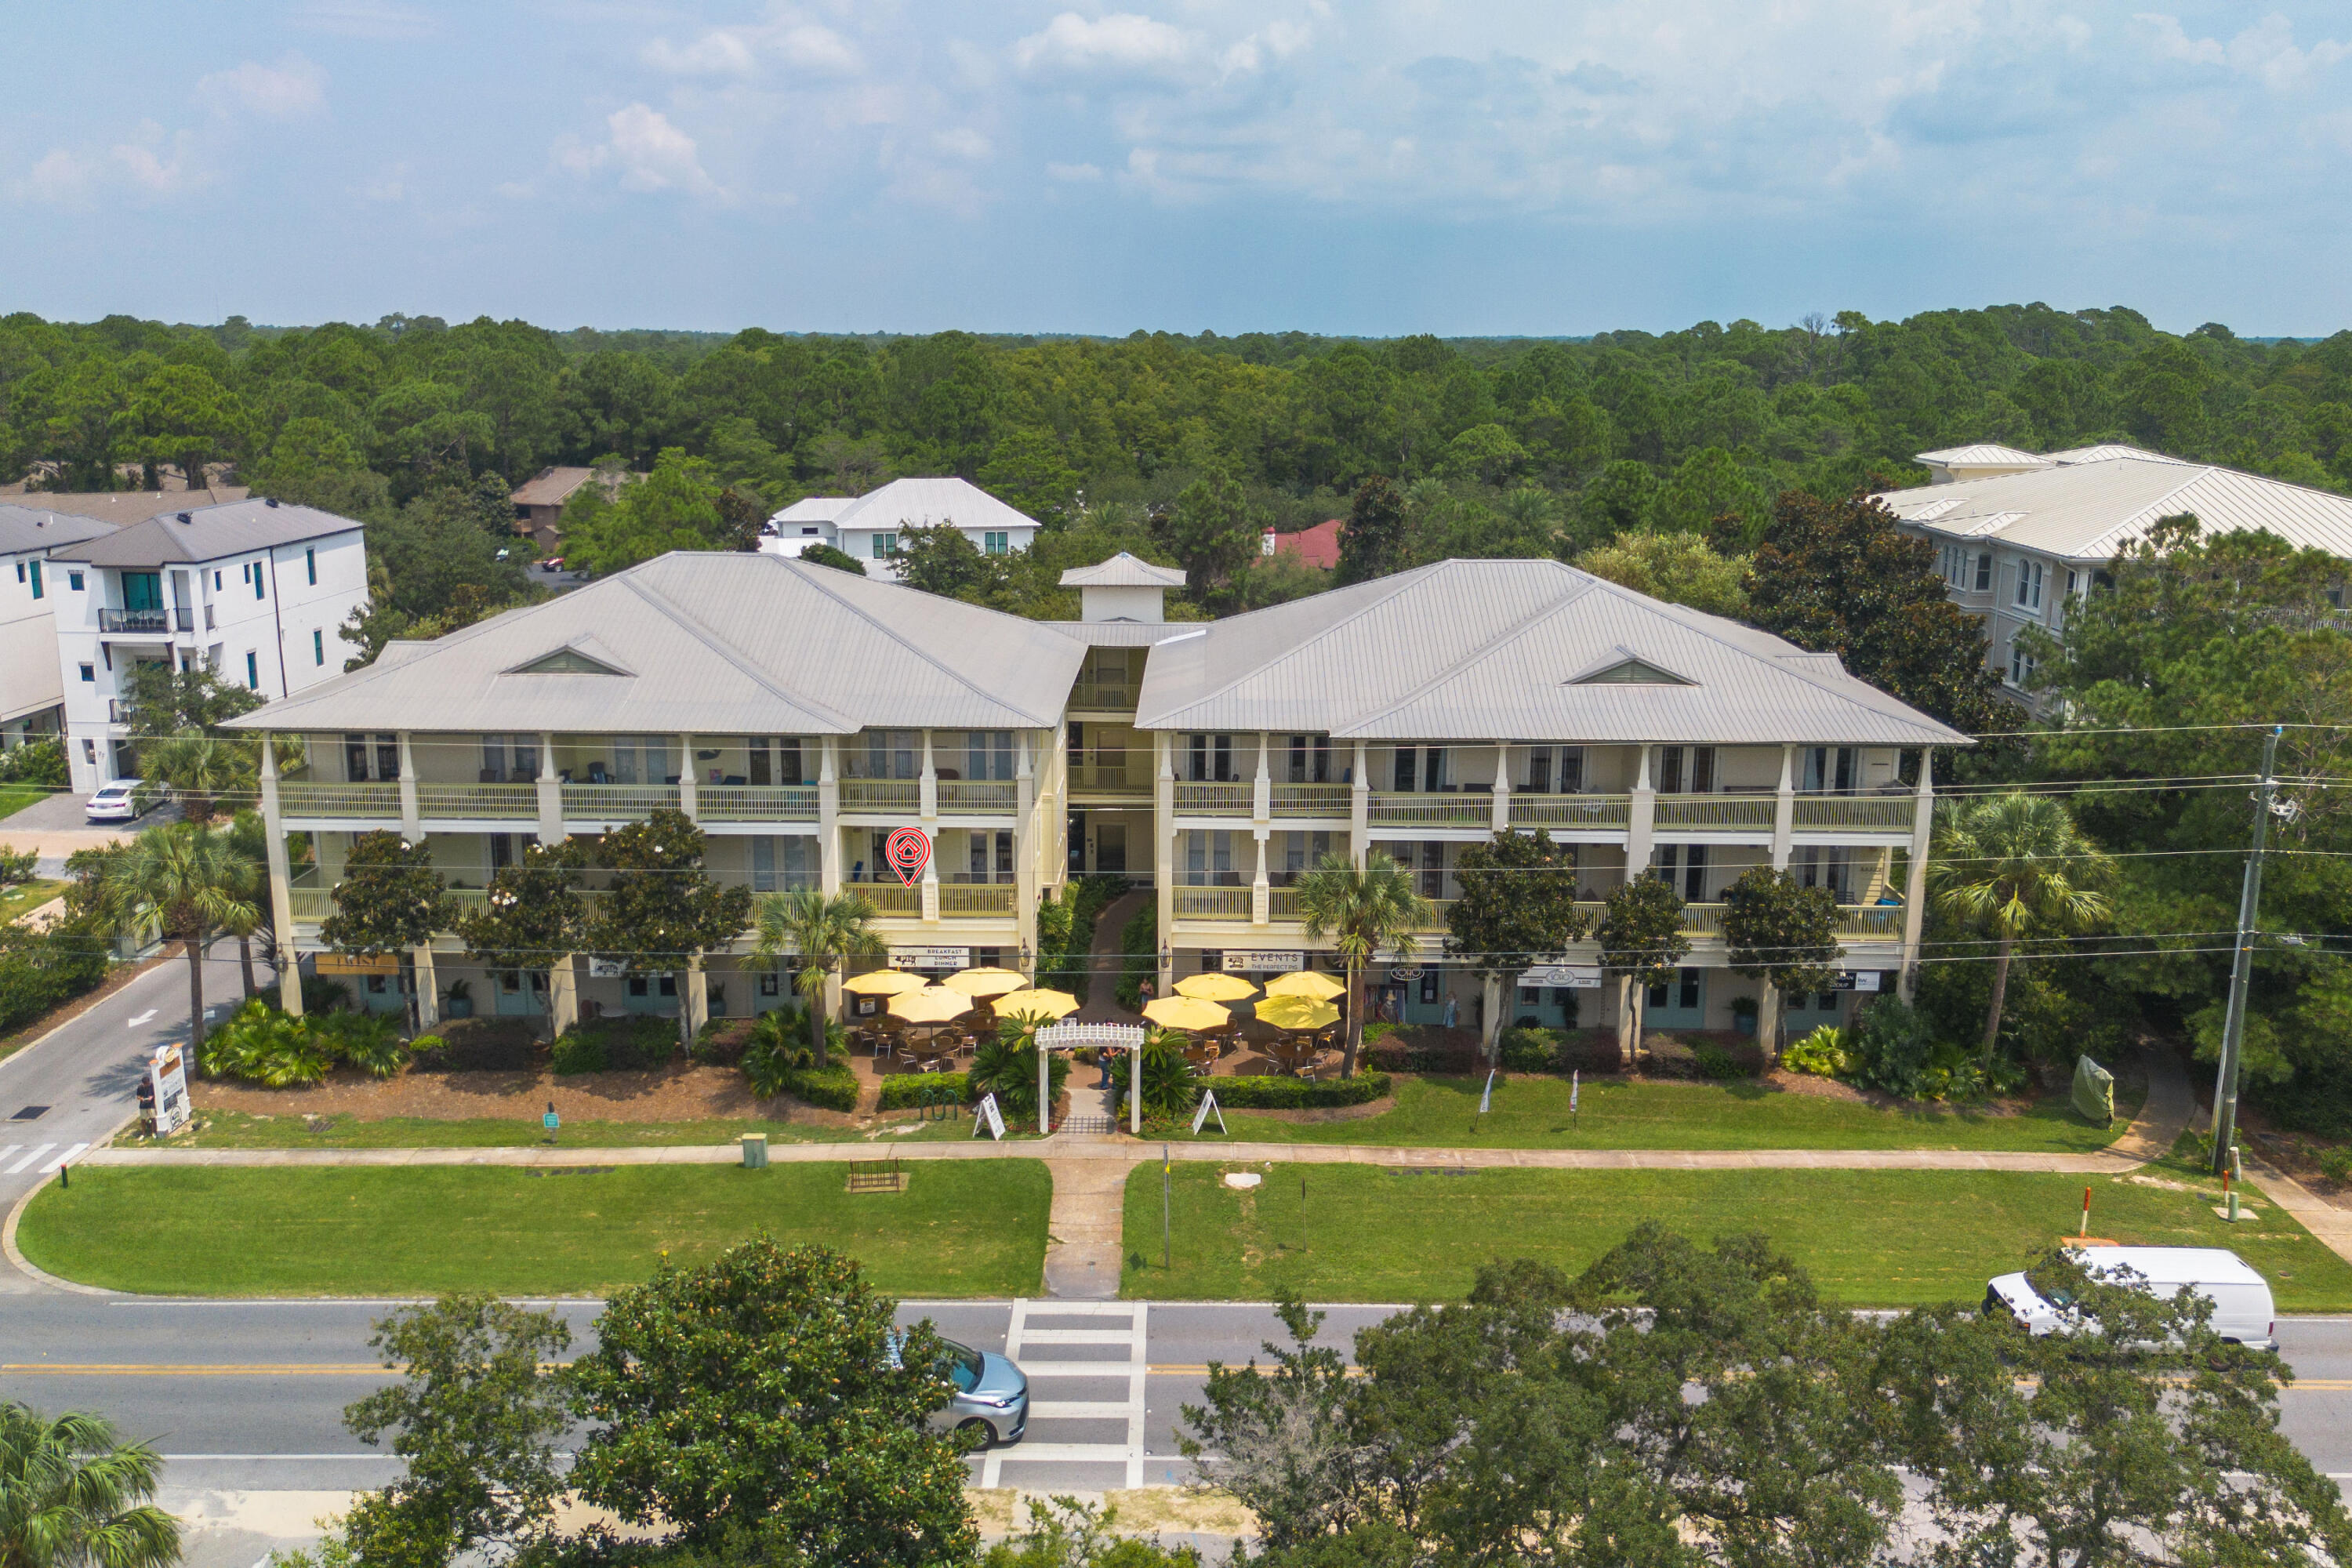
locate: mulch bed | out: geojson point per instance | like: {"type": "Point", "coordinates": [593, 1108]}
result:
{"type": "Point", "coordinates": [681, 1091]}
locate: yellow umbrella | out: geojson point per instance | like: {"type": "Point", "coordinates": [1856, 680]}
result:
{"type": "Point", "coordinates": [1297, 1013]}
{"type": "Point", "coordinates": [985, 982]}
{"type": "Point", "coordinates": [931, 1004]}
{"type": "Point", "coordinates": [1186, 1012]}
{"type": "Point", "coordinates": [882, 983]}
{"type": "Point", "coordinates": [1215, 987]}
{"type": "Point", "coordinates": [1036, 1004]}
{"type": "Point", "coordinates": [1305, 983]}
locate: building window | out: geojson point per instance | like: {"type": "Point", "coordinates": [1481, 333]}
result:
{"type": "Point", "coordinates": [994, 544]}
{"type": "Point", "coordinates": [2029, 583]}
{"type": "Point", "coordinates": [36, 578]}
{"type": "Point", "coordinates": [252, 670]}
{"type": "Point", "coordinates": [310, 564]}
{"type": "Point", "coordinates": [1984, 571]}
{"type": "Point", "coordinates": [2071, 581]}
{"type": "Point", "coordinates": [885, 545]}
{"type": "Point", "coordinates": [217, 588]}
{"type": "Point", "coordinates": [318, 646]}
{"type": "Point", "coordinates": [257, 587]}
{"type": "Point", "coordinates": [73, 580]}
{"type": "Point", "coordinates": [2021, 665]}
{"type": "Point", "coordinates": [90, 673]}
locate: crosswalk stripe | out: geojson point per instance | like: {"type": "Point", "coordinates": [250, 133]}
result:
{"type": "Point", "coordinates": [1136, 1336]}
{"type": "Point", "coordinates": [11, 1149]}
{"type": "Point", "coordinates": [61, 1159]}
{"type": "Point", "coordinates": [38, 1152]}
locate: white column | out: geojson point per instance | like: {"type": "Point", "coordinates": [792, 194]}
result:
{"type": "Point", "coordinates": [564, 994]}
{"type": "Point", "coordinates": [1044, 1090]}
{"type": "Point", "coordinates": [1027, 831]}
{"type": "Point", "coordinates": [1784, 809]}
{"type": "Point", "coordinates": [694, 1003]}
{"type": "Point", "coordinates": [281, 894]}
{"type": "Point", "coordinates": [927, 791]}
{"type": "Point", "coordinates": [1135, 1091]}
{"type": "Point", "coordinates": [551, 792]}
{"type": "Point", "coordinates": [1164, 871]}
{"type": "Point", "coordinates": [1359, 810]}
{"type": "Point", "coordinates": [1261, 889]}
{"type": "Point", "coordinates": [1914, 889]}
{"type": "Point", "coordinates": [1502, 786]}
{"type": "Point", "coordinates": [428, 987]}
{"type": "Point", "coordinates": [412, 820]}
{"type": "Point", "coordinates": [1262, 791]}
{"type": "Point", "coordinates": [1641, 820]}
{"type": "Point", "coordinates": [828, 815]}
{"type": "Point", "coordinates": [687, 802]}
{"type": "Point", "coordinates": [931, 882]}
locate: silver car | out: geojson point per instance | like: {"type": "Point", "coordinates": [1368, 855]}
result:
{"type": "Point", "coordinates": [116, 802]}
{"type": "Point", "coordinates": [990, 1397]}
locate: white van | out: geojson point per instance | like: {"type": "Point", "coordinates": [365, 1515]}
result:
{"type": "Point", "coordinates": [2243, 1311]}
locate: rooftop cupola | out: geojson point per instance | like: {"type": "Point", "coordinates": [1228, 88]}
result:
{"type": "Point", "coordinates": [1122, 588]}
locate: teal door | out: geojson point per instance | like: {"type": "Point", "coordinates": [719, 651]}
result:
{"type": "Point", "coordinates": [142, 591]}
{"type": "Point", "coordinates": [1679, 1004]}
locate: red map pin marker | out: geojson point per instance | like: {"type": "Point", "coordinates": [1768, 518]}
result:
{"type": "Point", "coordinates": [908, 850]}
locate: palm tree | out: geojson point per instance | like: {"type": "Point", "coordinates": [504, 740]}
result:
{"type": "Point", "coordinates": [200, 769]}
{"type": "Point", "coordinates": [2016, 863]}
{"type": "Point", "coordinates": [824, 931]}
{"type": "Point", "coordinates": [71, 1496]}
{"type": "Point", "coordinates": [1362, 912]}
{"type": "Point", "coordinates": [184, 882]}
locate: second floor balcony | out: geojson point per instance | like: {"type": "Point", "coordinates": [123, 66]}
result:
{"type": "Point", "coordinates": [146, 622]}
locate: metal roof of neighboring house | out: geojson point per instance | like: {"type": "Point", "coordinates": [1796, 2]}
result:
{"type": "Point", "coordinates": [1486, 650]}
{"type": "Point", "coordinates": [122, 508]}
{"type": "Point", "coordinates": [2093, 501]}
{"type": "Point", "coordinates": [1123, 570]}
{"type": "Point", "coordinates": [212, 533]}
{"type": "Point", "coordinates": [815, 508]}
{"type": "Point", "coordinates": [1124, 634]}
{"type": "Point", "coordinates": [924, 503]}
{"type": "Point", "coordinates": [553, 487]}
{"type": "Point", "coordinates": [25, 528]}
{"type": "Point", "coordinates": [1317, 546]}
{"type": "Point", "coordinates": [711, 643]}
{"type": "Point", "coordinates": [1983, 455]}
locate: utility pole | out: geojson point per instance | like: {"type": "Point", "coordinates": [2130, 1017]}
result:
{"type": "Point", "coordinates": [2234, 1024]}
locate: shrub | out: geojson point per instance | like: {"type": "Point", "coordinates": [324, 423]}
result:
{"type": "Point", "coordinates": [1715, 1063]}
{"type": "Point", "coordinates": [1298, 1093]}
{"type": "Point", "coordinates": [1525, 1049]}
{"type": "Point", "coordinates": [1006, 1067]}
{"type": "Point", "coordinates": [1827, 1052]}
{"type": "Point", "coordinates": [830, 1089]}
{"type": "Point", "coordinates": [904, 1090]}
{"type": "Point", "coordinates": [18, 866]}
{"type": "Point", "coordinates": [427, 1043]}
{"type": "Point", "coordinates": [40, 971]}
{"type": "Point", "coordinates": [367, 1041]}
{"type": "Point", "coordinates": [41, 762]}
{"type": "Point", "coordinates": [720, 1042]}
{"type": "Point", "coordinates": [1139, 943]}
{"type": "Point", "coordinates": [579, 1051]}
{"type": "Point", "coordinates": [615, 1044]}
{"type": "Point", "coordinates": [481, 1045]}
{"type": "Point", "coordinates": [260, 1045]}
{"type": "Point", "coordinates": [319, 994]}
{"type": "Point", "coordinates": [1170, 1090]}
{"type": "Point", "coordinates": [1896, 1046]}
{"type": "Point", "coordinates": [1412, 1052]}
{"type": "Point", "coordinates": [2336, 1164]}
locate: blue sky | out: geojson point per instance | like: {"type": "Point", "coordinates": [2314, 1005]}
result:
{"type": "Point", "coordinates": [1485, 166]}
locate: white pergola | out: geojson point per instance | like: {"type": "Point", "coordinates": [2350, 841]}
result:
{"type": "Point", "coordinates": [1126, 1037]}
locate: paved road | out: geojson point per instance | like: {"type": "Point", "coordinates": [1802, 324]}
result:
{"type": "Point", "coordinates": [81, 1078]}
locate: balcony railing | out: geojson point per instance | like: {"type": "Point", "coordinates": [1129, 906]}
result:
{"type": "Point", "coordinates": [1392, 810]}
{"type": "Point", "coordinates": [617, 803]}
{"type": "Point", "coordinates": [1323, 800]}
{"type": "Point", "coordinates": [1282, 903]}
{"type": "Point", "coordinates": [309, 906]}
{"type": "Point", "coordinates": [1435, 924]}
{"type": "Point", "coordinates": [1104, 696]}
{"type": "Point", "coordinates": [756, 803]}
{"type": "Point", "coordinates": [156, 621]}
{"type": "Point", "coordinates": [1590, 811]}
{"type": "Point", "coordinates": [890, 897]}
{"type": "Point", "coordinates": [901, 797]}
{"type": "Point", "coordinates": [1871, 922]}
{"type": "Point", "coordinates": [1208, 798]}
{"type": "Point", "coordinates": [976, 901]}
{"type": "Point", "coordinates": [1128, 783]}
{"type": "Point", "coordinates": [305, 798]}
{"type": "Point", "coordinates": [496, 802]}
{"type": "Point", "coordinates": [1854, 813]}
{"type": "Point", "coordinates": [1212, 903]}
{"type": "Point", "coordinates": [989, 797]}
{"type": "Point", "coordinates": [1720, 812]}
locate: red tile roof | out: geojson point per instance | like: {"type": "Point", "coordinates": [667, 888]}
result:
{"type": "Point", "coordinates": [1317, 546]}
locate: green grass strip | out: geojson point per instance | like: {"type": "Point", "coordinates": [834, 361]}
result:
{"type": "Point", "coordinates": [963, 1228]}
{"type": "Point", "coordinates": [1532, 1113]}
{"type": "Point", "coordinates": [239, 1130]}
{"type": "Point", "coordinates": [1870, 1238]}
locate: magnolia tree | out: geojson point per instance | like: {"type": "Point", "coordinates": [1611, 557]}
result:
{"type": "Point", "coordinates": [1517, 909]}
{"type": "Point", "coordinates": [390, 900]}
{"type": "Point", "coordinates": [660, 908]}
{"type": "Point", "coordinates": [1641, 940]}
{"type": "Point", "coordinates": [532, 919]}
{"type": "Point", "coordinates": [1782, 934]}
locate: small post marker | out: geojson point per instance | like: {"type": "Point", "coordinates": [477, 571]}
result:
{"type": "Point", "coordinates": [551, 1122]}
{"type": "Point", "coordinates": [1167, 1254]}
{"type": "Point", "coordinates": [1575, 1083]}
{"type": "Point", "coordinates": [2087, 1213]}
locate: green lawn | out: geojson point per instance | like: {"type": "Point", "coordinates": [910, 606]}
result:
{"type": "Point", "coordinates": [1870, 1238]}
{"type": "Point", "coordinates": [960, 1228]}
{"type": "Point", "coordinates": [1613, 1113]}
{"type": "Point", "coordinates": [240, 1129]}
{"type": "Point", "coordinates": [26, 897]}
{"type": "Point", "coordinates": [16, 797]}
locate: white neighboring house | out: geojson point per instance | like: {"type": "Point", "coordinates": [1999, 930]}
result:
{"type": "Point", "coordinates": [2020, 534]}
{"type": "Point", "coordinates": [32, 695]}
{"type": "Point", "coordinates": [868, 526]}
{"type": "Point", "coordinates": [253, 590]}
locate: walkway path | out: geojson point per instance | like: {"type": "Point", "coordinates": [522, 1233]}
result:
{"type": "Point", "coordinates": [1105, 959]}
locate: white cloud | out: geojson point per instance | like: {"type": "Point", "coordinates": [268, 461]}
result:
{"type": "Point", "coordinates": [1075, 173]}
{"type": "Point", "coordinates": [390, 185]}
{"type": "Point", "coordinates": [155, 163]}
{"type": "Point", "coordinates": [965, 142]}
{"type": "Point", "coordinates": [2266, 50]}
{"type": "Point", "coordinates": [363, 19]}
{"type": "Point", "coordinates": [644, 150]}
{"type": "Point", "coordinates": [1122, 42]}
{"type": "Point", "coordinates": [286, 90]}
{"type": "Point", "coordinates": [801, 47]}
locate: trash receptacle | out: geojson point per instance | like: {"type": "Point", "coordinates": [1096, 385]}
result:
{"type": "Point", "coordinates": [755, 1151]}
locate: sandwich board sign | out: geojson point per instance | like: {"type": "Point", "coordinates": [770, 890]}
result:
{"type": "Point", "coordinates": [988, 1116]}
{"type": "Point", "coordinates": [1208, 1108]}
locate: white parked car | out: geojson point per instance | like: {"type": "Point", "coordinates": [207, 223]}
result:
{"type": "Point", "coordinates": [2244, 1313]}
{"type": "Point", "coordinates": [116, 802]}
